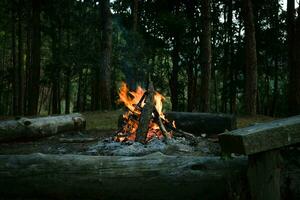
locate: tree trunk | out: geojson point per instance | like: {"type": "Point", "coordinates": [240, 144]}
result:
{"type": "Point", "coordinates": [79, 104]}
{"type": "Point", "coordinates": [20, 68]}
{"type": "Point", "coordinates": [116, 177]}
{"type": "Point", "coordinates": [275, 90]}
{"type": "Point", "coordinates": [28, 57]}
{"type": "Point", "coordinates": [96, 89]}
{"type": "Point", "coordinates": [173, 82]}
{"type": "Point", "coordinates": [68, 70]}
{"type": "Point", "coordinates": [206, 56]}
{"type": "Point", "coordinates": [105, 64]}
{"type": "Point", "coordinates": [34, 81]}
{"type": "Point", "coordinates": [275, 24]}
{"type": "Point", "coordinates": [56, 68]}
{"type": "Point", "coordinates": [290, 40]}
{"type": "Point", "coordinates": [231, 66]}
{"type": "Point", "coordinates": [251, 59]}
{"type": "Point", "coordinates": [296, 70]}
{"type": "Point", "coordinates": [192, 87]}
{"type": "Point", "coordinates": [135, 5]}
{"type": "Point", "coordinates": [191, 67]}
{"type": "Point", "coordinates": [14, 80]}
{"type": "Point", "coordinates": [25, 128]}
{"type": "Point", "coordinates": [67, 90]}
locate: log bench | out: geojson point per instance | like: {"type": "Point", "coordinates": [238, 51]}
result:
{"type": "Point", "coordinates": [262, 143]}
{"type": "Point", "coordinates": [25, 128]}
{"type": "Point", "coordinates": [154, 176]}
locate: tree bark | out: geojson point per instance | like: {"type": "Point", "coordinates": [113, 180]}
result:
{"type": "Point", "coordinates": [68, 70]}
{"type": "Point", "coordinates": [28, 57]}
{"type": "Point", "coordinates": [294, 76]}
{"type": "Point", "coordinates": [191, 68]}
{"type": "Point", "coordinates": [14, 80]}
{"type": "Point", "coordinates": [206, 56]}
{"type": "Point", "coordinates": [231, 65]}
{"type": "Point", "coordinates": [173, 82]}
{"type": "Point", "coordinates": [34, 71]}
{"type": "Point", "coordinates": [25, 128]}
{"type": "Point", "coordinates": [67, 90]}
{"type": "Point", "coordinates": [56, 68]}
{"type": "Point", "coordinates": [275, 90]}
{"type": "Point", "coordinates": [116, 177]}
{"type": "Point", "coordinates": [275, 24]}
{"type": "Point", "coordinates": [251, 59]}
{"type": "Point", "coordinates": [105, 64]}
{"type": "Point", "coordinates": [20, 70]}
{"type": "Point", "coordinates": [135, 5]}
{"type": "Point", "coordinates": [79, 101]}
{"type": "Point", "coordinates": [290, 39]}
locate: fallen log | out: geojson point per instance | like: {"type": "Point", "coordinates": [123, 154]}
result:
{"type": "Point", "coordinates": [198, 123]}
{"type": "Point", "coordinates": [23, 128]}
{"type": "Point", "coordinates": [155, 176]}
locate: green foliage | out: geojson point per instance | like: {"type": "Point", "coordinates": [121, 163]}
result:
{"type": "Point", "coordinates": [71, 42]}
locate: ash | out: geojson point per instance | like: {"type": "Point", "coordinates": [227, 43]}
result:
{"type": "Point", "coordinates": [174, 146]}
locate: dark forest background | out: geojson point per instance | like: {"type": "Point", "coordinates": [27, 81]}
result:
{"type": "Point", "coordinates": [231, 56]}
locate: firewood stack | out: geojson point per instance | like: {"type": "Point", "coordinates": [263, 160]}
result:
{"type": "Point", "coordinates": [145, 120]}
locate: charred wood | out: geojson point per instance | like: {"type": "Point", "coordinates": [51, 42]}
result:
{"type": "Point", "coordinates": [146, 115]}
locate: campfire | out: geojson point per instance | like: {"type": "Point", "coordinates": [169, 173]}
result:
{"type": "Point", "coordinates": [144, 119]}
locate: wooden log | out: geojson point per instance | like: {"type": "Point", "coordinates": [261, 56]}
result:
{"type": "Point", "coordinates": [198, 123]}
{"type": "Point", "coordinates": [155, 176]}
{"type": "Point", "coordinates": [262, 143]}
{"type": "Point", "coordinates": [262, 137]}
{"type": "Point", "coordinates": [146, 115]}
{"type": "Point", "coordinates": [264, 175]}
{"type": "Point", "coordinates": [40, 127]}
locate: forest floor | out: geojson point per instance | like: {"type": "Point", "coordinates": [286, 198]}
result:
{"type": "Point", "coordinates": [99, 125]}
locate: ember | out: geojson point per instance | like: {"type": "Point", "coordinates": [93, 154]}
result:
{"type": "Point", "coordinates": [144, 109]}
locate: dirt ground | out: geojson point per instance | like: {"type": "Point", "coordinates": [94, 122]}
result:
{"type": "Point", "coordinates": [58, 144]}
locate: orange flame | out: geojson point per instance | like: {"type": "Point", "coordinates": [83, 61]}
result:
{"type": "Point", "coordinates": [132, 101]}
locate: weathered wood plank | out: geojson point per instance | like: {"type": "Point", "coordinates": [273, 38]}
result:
{"type": "Point", "coordinates": [155, 176]}
{"type": "Point", "coordinates": [262, 137]}
{"type": "Point", "coordinates": [264, 175]}
{"type": "Point", "coordinates": [40, 127]}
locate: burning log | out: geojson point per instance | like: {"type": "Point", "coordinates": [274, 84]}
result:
{"type": "Point", "coordinates": [146, 115]}
{"type": "Point", "coordinates": [162, 126]}
{"type": "Point", "coordinates": [198, 123]}
{"type": "Point", "coordinates": [144, 119]}
{"type": "Point", "coordinates": [155, 176]}
{"type": "Point", "coordinates": [40, 127]}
